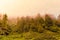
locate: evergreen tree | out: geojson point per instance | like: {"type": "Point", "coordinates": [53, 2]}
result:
{"type": "Point", "coordinates": [48, 21]}
{"type": "Point", "coordinates": [39, 20]}
{"type": "Point", "coordinates": [5, 20]}
{"type": "Point", "coordinates": [27, 24]}
{"type": "Point", "coordinates": [39, 23]}
{"type": "Point", "coordinates": [5, 25]}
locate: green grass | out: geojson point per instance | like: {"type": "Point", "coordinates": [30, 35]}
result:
{"type": "Point", "coordinates": [30, 36]}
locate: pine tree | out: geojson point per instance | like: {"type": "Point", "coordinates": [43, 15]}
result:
{"type": "Point", "coordinates": [5, 20]}
{"type": "Point", "coordinates": [48, 21]}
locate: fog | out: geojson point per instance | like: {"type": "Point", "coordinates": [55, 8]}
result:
{"type": "Point", "coordinates": [15, 8]}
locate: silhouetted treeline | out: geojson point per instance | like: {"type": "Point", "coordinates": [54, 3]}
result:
{"type": "Point", "coordinates": [26, 24]}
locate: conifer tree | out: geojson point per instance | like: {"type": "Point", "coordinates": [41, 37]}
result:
{"type": "Point", "coordinates": [5, 20]}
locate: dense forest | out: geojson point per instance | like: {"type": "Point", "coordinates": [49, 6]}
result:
{"type": "Point", "coordinates": [42, 28]}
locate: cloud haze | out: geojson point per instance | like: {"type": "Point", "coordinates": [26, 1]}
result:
{"type": "Point", "coordinates": [15, 8]}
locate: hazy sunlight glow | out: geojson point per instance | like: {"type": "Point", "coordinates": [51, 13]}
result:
{"type": "Point", "coordinates": [15, 8]}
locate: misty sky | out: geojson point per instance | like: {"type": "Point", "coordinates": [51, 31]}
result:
{"type": "Point", "coordinates": [14, 8]}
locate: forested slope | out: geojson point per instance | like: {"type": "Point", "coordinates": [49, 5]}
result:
{"type": "Point", "coordinates": [30, 28]}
